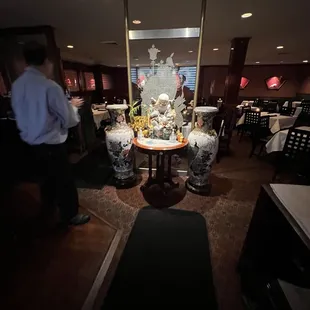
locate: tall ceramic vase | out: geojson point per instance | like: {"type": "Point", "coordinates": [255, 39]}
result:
{"type": "Point", "coordinates": [119, 138]}
{"type": "Point", "coordinates": [203, 147]}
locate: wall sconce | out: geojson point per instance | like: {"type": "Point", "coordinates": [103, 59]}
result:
{"type": "Point", "coordinates": [275, 82]}
{"type": "Point", "coordinates": [244, 82]}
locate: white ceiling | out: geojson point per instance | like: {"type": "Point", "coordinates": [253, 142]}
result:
{"type": "Point", "coordinates": [85, 23]}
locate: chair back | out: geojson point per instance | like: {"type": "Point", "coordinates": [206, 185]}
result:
{"type": "Point", "coordinates": [218, 122]}
{"type": "Point", "coordinates": [272, 107]}
{"type": "Point", "coordinates": [251, 118]}
{"type": "Point", "coordinates": [293, 110]}
{"type": "Point", "coordinates": [304, 116]}
{"type": "Point", "coordinates": [263, 128]}
{"type": "Point", "coordinates": [286, 111]}
{"type": "Point", "coordinates": [297, 150]}
{"type": "Point", "coordinates": [264, 121]}
{"type": "Point", "coordinates": [305, 108]}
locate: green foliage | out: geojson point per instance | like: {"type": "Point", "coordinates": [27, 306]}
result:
{"type": "Point", "coordinates": [134, 108]}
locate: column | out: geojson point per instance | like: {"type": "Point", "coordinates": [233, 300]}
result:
{"type": "Point", "coordinates": [239, 47]}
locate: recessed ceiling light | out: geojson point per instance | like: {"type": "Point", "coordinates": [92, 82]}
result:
{"type": "Point", "coordinates": [176, 63]}
{"type": "Point", "coordinates": [305, 61]}
{"type": "Point", "coordinates": [137, 65]}
{"type": "Point", "coordinates": [231, 48]}
{"type": "Point", "coordinates": [246, 15]}
{"type": "Point", "coordinates": [280, 47]}
{"type": "Point", "coordinates": [136, 21]}
{"type": "Point", "coordinates": [257, 62]}
{"type": "Point", "coordinates": [70, 46]}
{"type": "Point", "coordinates": [215, 49]}
{"type": "Point", "coordinates": [118, 65]}
{"type": "Point", "coordinates": [190, 51]}
{"type": "Point", "coordinates": [135, 58]}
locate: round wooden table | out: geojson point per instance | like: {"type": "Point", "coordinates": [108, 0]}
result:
{"type": "Point", "coordinates": [160, 151]}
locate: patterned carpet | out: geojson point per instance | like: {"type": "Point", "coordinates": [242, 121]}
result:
{"type": "Point", "coordinates": [235, 182]}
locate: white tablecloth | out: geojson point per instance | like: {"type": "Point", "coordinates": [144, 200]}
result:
{"type": "Point", "coordinates": [295, 198]}
{"type": "Point", "coordinates": [276, 143]}
{"type": "Point", "coordinates": [100, 116]}
{"type": "Point", "coordinates": [295, 104]}
{"type": "Point", "coordinates": [244, 102]}
{"type": "Point", "coordinates": [240, 106]}
{"type": "Point", "coordinates": [276, 123]}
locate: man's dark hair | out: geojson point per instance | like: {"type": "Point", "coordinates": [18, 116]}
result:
{"type": "Point", "coordinates": [35, 53]}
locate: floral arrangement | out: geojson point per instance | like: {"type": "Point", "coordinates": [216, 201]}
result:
{"type": "Point", "coordinates": [139, 122]}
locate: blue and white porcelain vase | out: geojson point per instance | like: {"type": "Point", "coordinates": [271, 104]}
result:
{"type": "Point", "coordinates": [203, 147]}
{"type": "Point", "coordinates": [119, 138]}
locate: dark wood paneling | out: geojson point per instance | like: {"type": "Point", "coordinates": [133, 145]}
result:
{"type": "Point", "coordinates": [238, 51]}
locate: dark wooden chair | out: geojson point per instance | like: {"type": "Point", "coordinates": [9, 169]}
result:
{"type": "Point", "coordinates": [288, 111]}
{"type": "Point", "coordinates": [295, 155]}
{"type": "Point", "coordinates": [304, 116]}
{"type": "Point", "coordinates": [272, 106]}
{"type": "Point", "coordinates": [250, 121]}
{"type": "Point", "coordinates": [305, 108]}
{"type": "Point", "coordinates": [239, 115]}
{"type": "Point", "coordinates": [260, 134]}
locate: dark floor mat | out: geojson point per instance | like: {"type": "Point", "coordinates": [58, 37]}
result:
{"type": "Point", "coordinates": [166, 262]}
{"type": "Point", "coordinates": [94, 170]}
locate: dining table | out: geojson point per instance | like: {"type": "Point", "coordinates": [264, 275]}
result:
{"type": "Point", "coordinates": [276, 143]}
{"type": "Point", "coordinates": [276, 121]}
{"type": "Point", "coordinates": [240, 106]}
{"type": "Point", "coordinates": [295, 104]}
{"type": "Point", "coordinates": [100, 115]}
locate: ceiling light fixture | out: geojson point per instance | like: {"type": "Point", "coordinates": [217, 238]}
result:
{"type": "Point", "coordinates": [305, 61]}
{"type": "Point", "coordinates": [257, 62]}
{"type": "Point", "coordinates": [215, 49]}
{"type": "Point", "coordinates": [190, 51]}
{"type": "Point", "coordinates": [246, 15]}
{"type": "Point", "coordinates": [118, 65]}
{"type": "Point", "coordinates": [137, 65]}
{"type": "Point", "coordinates": [136, 21]}
{"type": "Point", "coordinates": [280, 47]}
{"type": "Point", "coordinates": [70, 46]}
{"type": "Point", "coordinates": [231, 48]}
{"type": "Point", "coordinates": [281, 62]}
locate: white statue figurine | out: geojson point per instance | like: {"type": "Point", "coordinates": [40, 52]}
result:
{"type": "Point", "coordinates": [169, 61]}
{"type": "Point", "coordinates": [153, 51]}
{"type": "Point", "coordinates": [162, 117]}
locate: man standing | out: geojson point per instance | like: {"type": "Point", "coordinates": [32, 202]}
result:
{"type": "Point", "coordinates": [184, 91]}
{"type": "Point", "coordinates": [43, 116]}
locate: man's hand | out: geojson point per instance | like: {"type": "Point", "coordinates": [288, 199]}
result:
{"type": "Point", "coordinates": [77, 102]}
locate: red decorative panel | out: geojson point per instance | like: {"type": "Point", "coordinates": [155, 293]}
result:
{"type": "Point", "coordinates": [90, 81]}
{"type": "Point", "coordinates": [275, 82]}
{"type": "Point", "coordinates": [3, 90]}
{"type": "Point", "coordinates": [244, 82]}
{"type": "Point", "coordinates": [106, 81]}
{"type": "Point", "coordinates": [71, 80]}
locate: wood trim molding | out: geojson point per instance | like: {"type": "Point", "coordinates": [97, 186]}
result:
{"type": "Point", "coordinates": [93, 293]}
